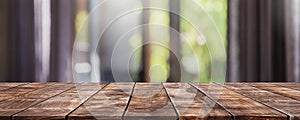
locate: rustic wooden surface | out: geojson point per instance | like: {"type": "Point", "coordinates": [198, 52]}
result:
{"type": "Point", "coordinates": [255, 101]}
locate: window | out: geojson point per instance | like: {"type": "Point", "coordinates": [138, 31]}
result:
{"type": "Point", "coordinates": [130, 28]}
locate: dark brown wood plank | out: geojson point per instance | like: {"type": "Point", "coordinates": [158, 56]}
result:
{"type": "Point", "coordinates": [61, 105]}
{"type": "Point", "coordinates": [239, 106]}
{"type": "Point", "coordinates": [20, 90]}
{"type": "Point", "coordinates": [150, 101]}
{"type": "Point", "coordinates": [291, 93]}
{"type": "Point", "coordinates": [109, 103]}
{"type": "Point", "coordinates": [6, 85]}
{"type": "Point", "coordinates": [19, 103]}
{"type": "Point", "coordinates": [281, 103]}
{"type": "Point", "coordinates": [192, 104]}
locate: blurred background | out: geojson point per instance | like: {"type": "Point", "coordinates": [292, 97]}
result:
{"type": "Point", "coordinates": [49, 40]}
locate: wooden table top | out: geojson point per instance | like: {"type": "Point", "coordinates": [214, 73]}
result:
{"type": "Point", "coordinates": [156, 101]}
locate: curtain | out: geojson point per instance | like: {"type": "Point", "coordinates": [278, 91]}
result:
{"type": "Point", "coordinates": [21, 45]}
{"type": "Point", "coordinates": [30, 31]}
{"type": "Point", "coordinates": [263, 41]}
{"type": "Point", "coordinates": [292, 36]}
{"type": "Point", "coordinates": [4, 40]}
{"type": "Point", "coordinates": [62, 38]}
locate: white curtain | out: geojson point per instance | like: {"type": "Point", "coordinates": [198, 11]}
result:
{"type": "Point", "coordinates": [292, 36]}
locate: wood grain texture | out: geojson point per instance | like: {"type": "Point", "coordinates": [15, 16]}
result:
{"type": "Point", "coordinates": [282, 103]}
{"type": "Point", "coordinates": [295, 86]}
{"type": "Point", "coordinates": [5, 86]}
{"type": "Point", "coordinates": [19, 103]}
{"type": "Point", "coordinates": [239, 106]}
{"type": "Point", "coordinates": [20, 90]}
{"type": "Point", "coordinates": [91, 101]}
{"type": "Point", "coordinates": [108, 104]}
{"type": "Point", "coordinates": [192, 104]}
{"type": "Point", "coordinates": [58, 107]}
{"type": "Point", "coordinates": [150, 101]}
{"type": "Point", "coordinates": [291, 93]}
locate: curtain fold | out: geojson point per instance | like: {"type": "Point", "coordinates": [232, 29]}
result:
{"type": "Point", "coordinates": [4, 40]}
{"type": "Point", "coordinates": [292, 36]}
{"type": "Point", "coordinates": [21, 41]}
{"type": "Point", "coordinates": [42, 23]}
{"type": "Point", "coordinates": [25, 52]}
{"type": "Point", "coordinates": [62, 38]}
{"type": "Point", "coordinates": [263, 41]}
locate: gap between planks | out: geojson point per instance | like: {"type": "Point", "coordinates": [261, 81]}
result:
{"type": "Point", "coordinates": [204, 93]}
{"type": "Point", "coordinates": [67, 116]}
{"type": "Point", "coordinates": [168, 95]}
{"type": "Point", "coordinates": [127, 105]}
{"type": "Point", "coordinates": [11, 117]}
{"type": "Point", "coordinates": [172, 103]}
{"type": "Point", "coordinates": [290, 117]}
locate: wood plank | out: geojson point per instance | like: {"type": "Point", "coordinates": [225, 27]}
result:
{"type": "Point", "coordinates": [17, 104]}
{"type": "Point", "coordinates": [282, 103]}
{"type": "Point", "coordinates": [192, 104]}
{"type": "Point", "coordinates": [7, 85]}
{"type": "Point", "coordinates": [109, 103]}
{"type": "Point", "coordinates": [150, 101]}
{"type": "Point", "coordinates": [295, 86]}
{"type": "Point", "coordinates": [291, 93]}
{"type": "Point", "coordinates": [239, 106]}
{"type": "Point", "coordinates": [20, 90]}
{"type": "Point", "coordinates": [61, 105]}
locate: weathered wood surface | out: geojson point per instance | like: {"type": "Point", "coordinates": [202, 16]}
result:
{"type": "Point", "coordinates": [4, 86]}
{"type": "Point", "coordinates": [109, 103]}
{"type": "Point", "coordinates": [21, 90]}
{"type": "Point", "coordinates": [192, 104]}
{"type": "Point", "coordinates": [295, 86]}
{"type": "Point", "coordinates": [257, 101]}
{"type": "Point", "coordinates": [150, 101]}
{"type": "Point", "coordinates": [288, 92]}
{"type": "Point", "coordinates": [239, 106]}
{"type": "Point", "coordinates": [58, 107]}
{"type": "Point", "coordinates": [20, 102]}
{"type": "Point", "coordinates": [286, 105]}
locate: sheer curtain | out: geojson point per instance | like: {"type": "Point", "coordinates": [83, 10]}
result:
{"type": "Point", "coordinates": [292, 27]}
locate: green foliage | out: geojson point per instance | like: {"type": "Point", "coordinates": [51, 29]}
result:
{"type": "Point", "coordinates": [217, 11]}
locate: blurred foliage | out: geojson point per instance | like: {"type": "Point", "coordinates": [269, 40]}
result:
{"type": "Point", "coordinates": [80, 20]}
{"type": "Point", "coordinates": [159, 34]}
{"type": "Point", "coordinates": [217, 10]}
{"type": "Point", "coordinates": [196, 59]}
